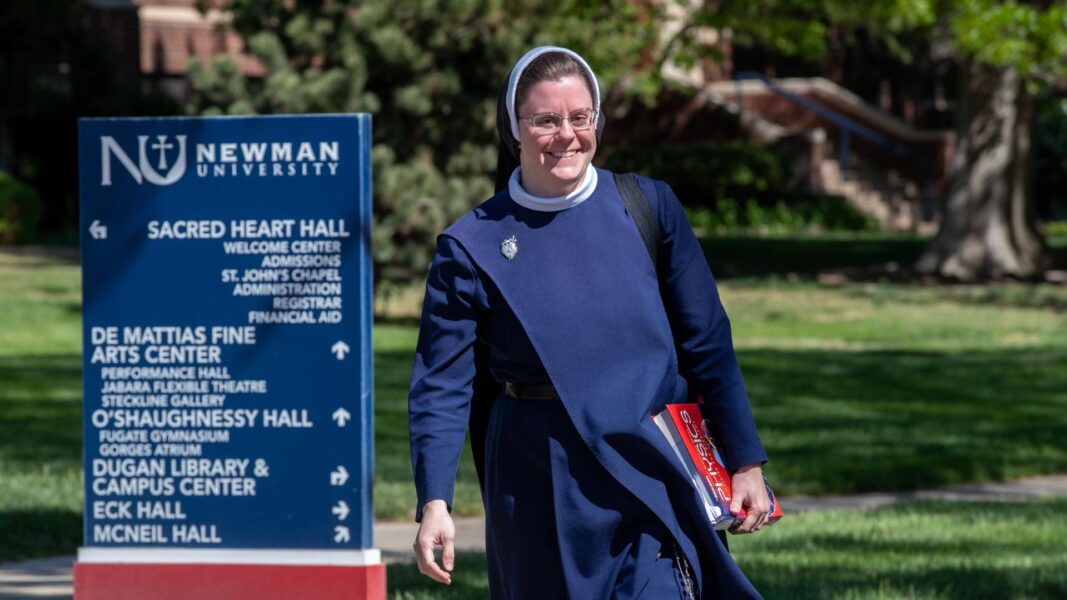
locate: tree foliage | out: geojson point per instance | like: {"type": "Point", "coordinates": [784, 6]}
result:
{"type": "Point", "coordinates": [1007, 51]}
{"type": "Point", "coordinates": [428, 71]}
{"type": "Point", "coordinates": [1028, 35]}
{"type": "Point", "coordinates": [56, 65]}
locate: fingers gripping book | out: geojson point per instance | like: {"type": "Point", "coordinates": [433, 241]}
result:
{"type": "Point", "coordinates": [688, 434]}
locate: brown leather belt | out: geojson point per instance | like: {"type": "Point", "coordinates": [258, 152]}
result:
{"type": "Point", "coordinates": [535, 391]}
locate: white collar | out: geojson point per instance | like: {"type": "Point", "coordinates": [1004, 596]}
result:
{"type": "Point", "coordinates": [542, 204]}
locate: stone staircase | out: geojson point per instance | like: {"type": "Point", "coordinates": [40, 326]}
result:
{"type": "Point", "coordinates": [895, 201]}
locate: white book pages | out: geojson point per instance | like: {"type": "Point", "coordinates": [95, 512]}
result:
{"type": "Point", "coordinates": [678, 445]}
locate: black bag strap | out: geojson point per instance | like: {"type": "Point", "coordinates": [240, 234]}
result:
{"type": "Point", "coordinates": [651, 235]}
{"type": "Point", "coordinates": [647, 224]}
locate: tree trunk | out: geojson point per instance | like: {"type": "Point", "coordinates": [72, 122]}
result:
{"type": "Point", "coordinates": [988, 230]}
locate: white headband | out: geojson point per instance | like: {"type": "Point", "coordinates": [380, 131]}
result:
{"type": "Point", "coordinates": [516, 74]}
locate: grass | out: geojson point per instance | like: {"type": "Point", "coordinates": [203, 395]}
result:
{"type": "Point", "coordinates": [919, 550]}
{"type": "Point", "coordinates": [394, 492]}
{"type": "Point", "coordinates": [740, 255]}
{"type": "Point", "coordinates": [856, 387]}
{"type": "Point", "coordinates": [734, 256]}
{"type": "Point", "coordinates": [40, 406]}
{"type": "Point", "coordinates": [928, 550]}
{"type": "Point", "coordinates": [888, 387]}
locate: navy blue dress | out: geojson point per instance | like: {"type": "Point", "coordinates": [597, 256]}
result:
{"type": "Point", "coordinates": [583, 496]}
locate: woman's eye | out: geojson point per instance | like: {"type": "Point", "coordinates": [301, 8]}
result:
{"type": "Point", "coordinates": [546, 121]}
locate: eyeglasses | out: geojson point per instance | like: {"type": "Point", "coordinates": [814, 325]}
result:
{"type": "Point", "coordinates": [550, 122]}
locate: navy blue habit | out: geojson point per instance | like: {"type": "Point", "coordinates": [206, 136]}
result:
{"type": "Point", "coordinates": [584, 498]}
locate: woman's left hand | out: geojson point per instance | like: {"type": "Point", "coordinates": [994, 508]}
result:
{"type": "Point", "coordinates": [750, 493]}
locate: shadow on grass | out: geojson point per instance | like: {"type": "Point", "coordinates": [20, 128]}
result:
{"type": "Point", "coordinates": [392, 460]}
{"type": "Point", "coordinates": [41, 532]}
{"type": "Point", "coordinates": [40, 408]}
{"type": "Point", "coordinates": [944, 581]}
{"type": "Point", "coordinates": [392, 370]}
{"type": "Point", "coordinates": [737, 256]}
{"type": "Point", "coordinates": [838, 422]}
{"type": "Point", "coordinates": [917, 550]}
{"type": "Point", "coordinates": [1023, 297]}
{"type": "Point", "coordinates": [841, 422]}
{"type": "Point", "coordinates": [751, 256]}
{"type": "Point", "coordinates": [469, 580]}
{"type": "Point", "coordinates": [1008, 295]}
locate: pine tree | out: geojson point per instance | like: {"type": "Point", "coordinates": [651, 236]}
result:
{"type": "Point", "coordinates": [428, 71]}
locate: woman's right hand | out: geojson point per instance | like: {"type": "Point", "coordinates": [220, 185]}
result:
{"type": "Point", "coordinates": [436, 529]}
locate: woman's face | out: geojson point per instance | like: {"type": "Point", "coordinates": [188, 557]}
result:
{"type": "Point", "coordinates": [554, 164]}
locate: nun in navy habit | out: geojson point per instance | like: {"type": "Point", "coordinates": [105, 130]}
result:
{"type": "Point", "coordinates": [549, 331]}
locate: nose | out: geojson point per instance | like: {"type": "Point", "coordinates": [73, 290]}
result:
{"type": "Point", "coordinates": [565, 130]}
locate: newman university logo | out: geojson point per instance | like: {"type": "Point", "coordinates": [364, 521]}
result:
{"type": "Point", "coordinates": [163, 159]}
{"type": "Point", "coordinates": [172, 169]}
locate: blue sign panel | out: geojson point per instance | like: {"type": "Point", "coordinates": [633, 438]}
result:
{"type": "Point", "coordinates": [227, 317]}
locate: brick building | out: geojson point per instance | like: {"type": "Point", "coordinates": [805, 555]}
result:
{"type": "Point", "coordinates": [157, 39]}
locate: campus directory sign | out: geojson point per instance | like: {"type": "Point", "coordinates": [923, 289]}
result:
{"type": "Point", "coordinates": [227, 317]}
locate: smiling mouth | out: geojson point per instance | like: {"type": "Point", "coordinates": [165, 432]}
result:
{"type": "Point", "coordinates": [562, 154]}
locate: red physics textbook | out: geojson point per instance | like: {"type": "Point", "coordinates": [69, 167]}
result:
{"type": "Point", "coordinates": [688, 434]}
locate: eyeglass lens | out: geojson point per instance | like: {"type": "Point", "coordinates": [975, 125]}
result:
{"type": "Point", "coordinates": [551, 122]}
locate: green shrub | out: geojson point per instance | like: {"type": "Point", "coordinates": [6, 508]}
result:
{"type": "Point", "coordinates": [738, 187]}
{"type": "Point", "coordinates": [1056, 228]}
{"type": "Point", "coordinates": [805, 213]}
{"type": "Point", "coordinates": [1050, 157]}
{"type": "Point", "coordinates": [20, 210]}
{"type": "Point", "coordinates": [703, 173]}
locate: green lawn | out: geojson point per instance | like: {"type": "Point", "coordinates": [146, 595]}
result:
{"type": "Point", "coordinates": [394, 492]}
{"type": "Point", "coordinates": [859, 387]}
{"type": "Point", "coordinates": [927, 550]}
{"type": "Point", "coordinates": [733, 256]}
{"type": "Point", "coordinates": [856, 387]}
{"type": "Point", "coordinates": [804, 255]}
{"type": "Point", "coordinates": [40, 406]}
{"type": "Point", "coordinates": [889, 387]}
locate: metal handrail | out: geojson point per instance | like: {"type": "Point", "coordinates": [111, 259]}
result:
{"type": "Point", "coordinates": [847, 126]}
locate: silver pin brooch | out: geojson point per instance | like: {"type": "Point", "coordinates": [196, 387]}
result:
{"type": "Point", "coordinates": [509, 248]}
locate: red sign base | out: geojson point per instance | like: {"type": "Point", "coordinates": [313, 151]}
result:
{"type": "Point", "coordinates": [138, 581]}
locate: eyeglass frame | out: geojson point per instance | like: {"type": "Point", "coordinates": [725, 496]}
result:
{"type": "Point", "coordinates": [593, 114]}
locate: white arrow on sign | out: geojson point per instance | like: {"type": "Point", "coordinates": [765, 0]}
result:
{"type": "Point", "coordinates": [338, 476]}
{"type": "Point", "coordinates": [342, 416]}
{"type": "Point", "coordinates": [341, 510]}
{"type": "Point", "coordinates": [98, 231]}
{"type": "Point", "coordinates": [340, 534]}
{"type": "Point", "coordinates": [340, 349]}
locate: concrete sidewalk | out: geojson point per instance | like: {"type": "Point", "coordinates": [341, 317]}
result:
{"type": "Point", "coordinates": [50, 578]}
{"type": "Point", "coordinates": [37, 579]}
